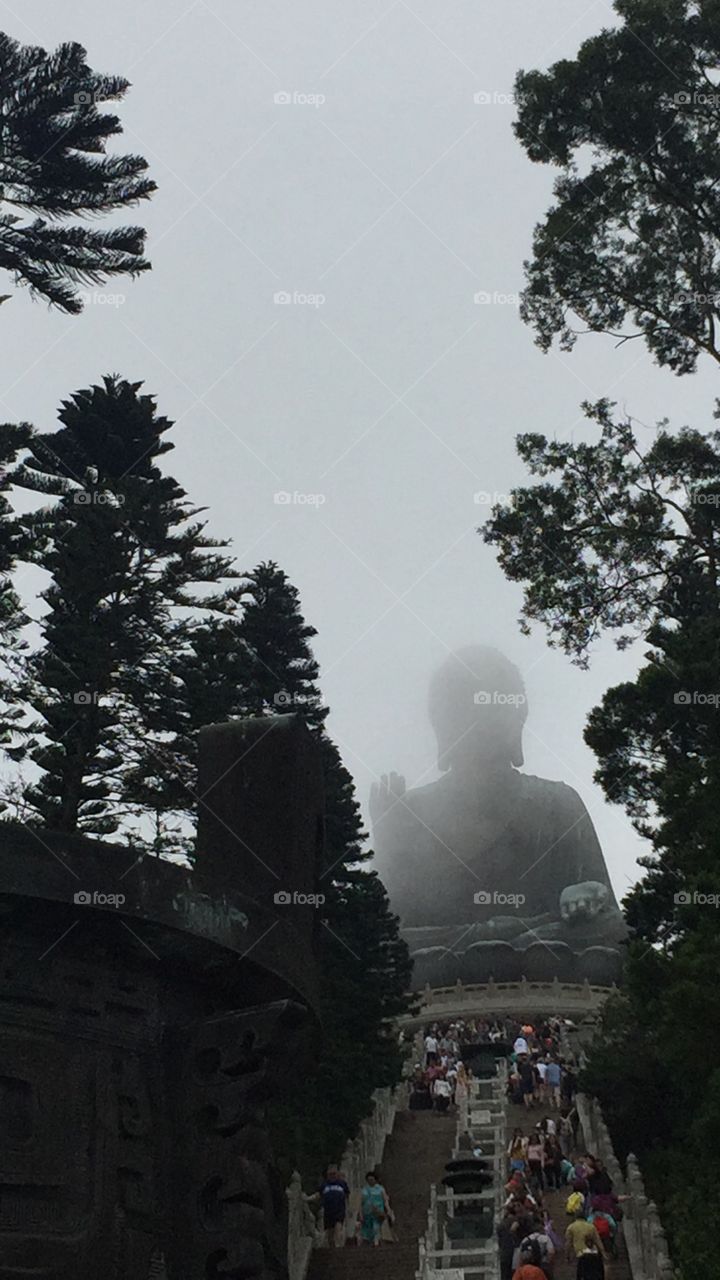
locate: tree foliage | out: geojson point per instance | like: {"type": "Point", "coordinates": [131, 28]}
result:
{"type": "Point", "coordinates": [630, 244]}
{"type": "Point", "coordinates": [613, 538]}
{"type": "Point", "coordinates": [54, 169]}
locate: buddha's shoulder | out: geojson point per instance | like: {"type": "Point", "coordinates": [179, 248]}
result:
{"type": "Point", "coordinates": [558, 796]}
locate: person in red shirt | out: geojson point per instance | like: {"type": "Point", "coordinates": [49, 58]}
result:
{"type": "Point", "coordinates": [528, 1271]}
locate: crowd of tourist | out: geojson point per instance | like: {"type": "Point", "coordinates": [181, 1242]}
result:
{"type": "Point", "coordinates": [539, 1074]}
{"type": "Point", "coordinates": [443, 1080]}
{"type": "Point", "coordinates": [541, 1161]}
{"type": "Point", "coordinates": [527, 1238]}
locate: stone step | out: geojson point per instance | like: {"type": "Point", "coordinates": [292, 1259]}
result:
{"type": "Point", "coordinates": [388, 1261]}
{"type": "Point", "coordinates": [415, 1156]}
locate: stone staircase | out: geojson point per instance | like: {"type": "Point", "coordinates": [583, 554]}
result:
{"type": "Point", "coordinates": [415, 1155]}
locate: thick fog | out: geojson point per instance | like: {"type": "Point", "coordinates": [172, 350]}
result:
{"type": "Point", "coordinates": [337, 245]}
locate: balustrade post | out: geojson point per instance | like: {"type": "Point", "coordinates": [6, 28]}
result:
{"type": "Point", "coordinates": [422, 1258]}
{"type": "Point", "coordinates": [376, 1131]}
{"type": "Point", "coordinates": [302, 1231]}
{"type": "Point", "coordinates": [641, 1223]}
{"type": "Point", "coordinates": [657, 1234]}
{"type": "Point", "coordinates": [358, 1166]}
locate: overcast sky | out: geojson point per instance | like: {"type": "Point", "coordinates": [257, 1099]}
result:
{"type": "Point", "coordinates": [390, 196]}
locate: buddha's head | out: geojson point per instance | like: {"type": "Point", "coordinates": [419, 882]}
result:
{"type": "Point", "coordinates": [477, 709]}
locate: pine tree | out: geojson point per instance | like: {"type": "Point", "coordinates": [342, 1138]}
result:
{"type": "Point", "coordinates": [53, 165]}
{"type": "Point", "coordinates": [276, 637]}
{"type": "Point", "coordinates": [126, 556]}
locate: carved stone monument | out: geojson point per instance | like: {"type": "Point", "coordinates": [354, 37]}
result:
{"type": "Point", "coordinates": [493, 872]}
{"type": "Point", "coordinates": [146, 1014]}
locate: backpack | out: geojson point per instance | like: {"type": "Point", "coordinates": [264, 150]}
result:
{"type": "Point", "coordinates": [602, 1226]}
{"type": "Point", "coordinates": [575, 1203]}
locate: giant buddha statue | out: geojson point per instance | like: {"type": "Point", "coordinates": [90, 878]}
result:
{"type": "Point", "coordinates": [488, 854]}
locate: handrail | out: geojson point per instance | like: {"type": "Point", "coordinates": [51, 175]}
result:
{"type": "Point", "coordinates": [506, 997]}
{"type": "Point", "coordinates": [523, 985]}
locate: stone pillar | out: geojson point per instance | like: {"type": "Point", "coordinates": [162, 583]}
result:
{"type": "Point", "coordinates": [261, 813]}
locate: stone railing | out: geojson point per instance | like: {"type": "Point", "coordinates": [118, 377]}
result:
{"type": "Point", "coordinates": [361, 1154]}
{"type": "Point", "coordinates": [366, 1151]}
{"type": "Point", "coordinates": [644, 1236]}
{"type": "Point", "coordinates": [508, 997]}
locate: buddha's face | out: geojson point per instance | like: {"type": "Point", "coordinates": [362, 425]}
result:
{"type": "Point", "coordinates": [477, 708]}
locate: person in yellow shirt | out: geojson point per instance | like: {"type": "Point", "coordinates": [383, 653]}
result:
{"type": "Point", "coordinates": [578, 1235]}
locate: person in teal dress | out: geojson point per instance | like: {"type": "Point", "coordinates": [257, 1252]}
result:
{"type": "Point", "coordinates": [374, 1209]}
